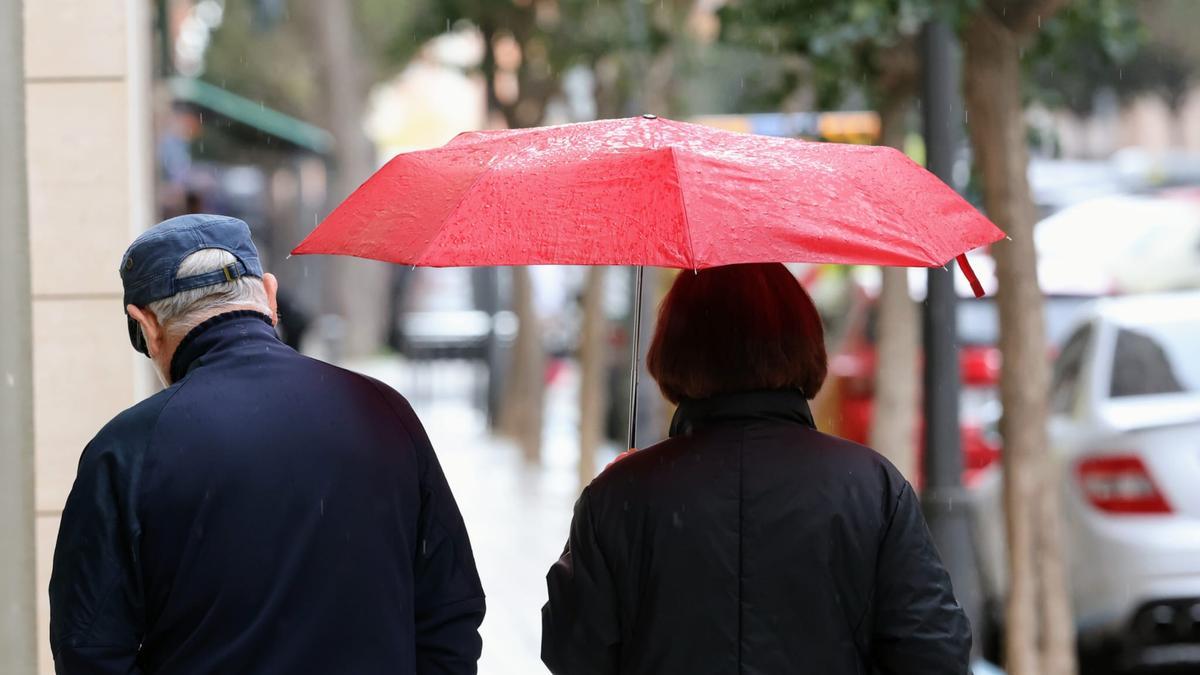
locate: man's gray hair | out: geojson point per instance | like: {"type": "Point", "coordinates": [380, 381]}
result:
{"type": "Point", "coordinates": [185, 310]}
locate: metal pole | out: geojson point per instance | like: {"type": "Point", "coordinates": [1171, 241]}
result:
{"type": "Point", "coordinates": [944, 499]}
{"type": "Point", "coordinates": [18, 622]}
{"type": "Point", "coordinates": [162, 26]}
{"type": "Point", "coordinates": [635, 360]}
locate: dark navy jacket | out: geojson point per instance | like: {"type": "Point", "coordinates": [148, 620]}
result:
{"type": "Point", "coordinates": [751, 544]}
{"type": "Point", "coordinates": [267, 513]}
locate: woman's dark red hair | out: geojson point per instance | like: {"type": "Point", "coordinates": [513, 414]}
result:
{"type": "Point", "coordinates": [737, 328]}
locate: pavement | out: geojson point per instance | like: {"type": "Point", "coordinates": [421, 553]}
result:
{"type": "Point", "coordinates": [517, 514]}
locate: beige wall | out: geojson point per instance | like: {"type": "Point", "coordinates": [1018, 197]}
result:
{"type": "Point", "coordinates": [88, 156]}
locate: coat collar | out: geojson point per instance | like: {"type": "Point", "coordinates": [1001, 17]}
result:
{"type": "Point", "coordinates": [218, 333]}
{"type": "Point", "coordinates": [783, 405]}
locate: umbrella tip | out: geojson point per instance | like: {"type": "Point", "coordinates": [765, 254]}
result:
{"type": "Point", "coordinates": [650, 116]}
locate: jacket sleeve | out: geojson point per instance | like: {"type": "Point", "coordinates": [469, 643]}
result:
{"type": "Point", "coordinates": [96, 606]}
{"type": "Point", "coordinates": [919, 626]}
{"type": "Point", "coordinates": [449, 600]}
{"type": "Point", "coordinates": [580, 622]}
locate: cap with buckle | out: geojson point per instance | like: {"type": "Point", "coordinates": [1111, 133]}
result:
{"type": "Point", "coordinates": [150, 264]}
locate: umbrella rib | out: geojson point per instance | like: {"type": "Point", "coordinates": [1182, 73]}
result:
{"type": "Point", "coordinates": [462, 198]}
{"type": "Point", "coordinates": [862, 191]}
{"type": "Point", "coordinates": [687, 223]}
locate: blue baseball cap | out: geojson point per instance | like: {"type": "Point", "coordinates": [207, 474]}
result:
{"type": "Point", "coordinates": [150, 264]}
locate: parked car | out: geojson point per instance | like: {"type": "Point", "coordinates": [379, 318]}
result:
{"type": "Point", "coordinates": [852, 373]}
{"type": "Point", "coordinates": [1123, 244]}
{"type": "Point", "coordinates": [1125, 433]}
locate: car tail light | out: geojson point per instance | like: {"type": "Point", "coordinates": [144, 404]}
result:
{"type": "Point", "coordinates": [980, 366]}
{"type": "Point", "coordinates": [978, 452]}
{"type": "Point", "coordinates": [1120, 484]}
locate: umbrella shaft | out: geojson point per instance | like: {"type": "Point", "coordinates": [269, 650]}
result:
{"type": "Point", "coordinates": [635, 358]}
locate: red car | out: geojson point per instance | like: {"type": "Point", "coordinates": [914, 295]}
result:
{"type": "Point", "coordinates": [846, 407]}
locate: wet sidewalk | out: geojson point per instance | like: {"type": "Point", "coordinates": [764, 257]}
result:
{"type": "Point", "coordinates": [517, 515]}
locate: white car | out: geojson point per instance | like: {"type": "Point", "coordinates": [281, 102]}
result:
{"type": "Point", "coordinates": [1125, 431]}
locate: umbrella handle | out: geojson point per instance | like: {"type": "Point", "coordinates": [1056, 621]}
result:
{"type": "Point", "coordinates": [635, 357]}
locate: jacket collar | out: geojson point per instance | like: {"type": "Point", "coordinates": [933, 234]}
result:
{"type": "Point", "coordinates": [219, 333]}
{"type": "Point", "coordinates": [783, 405]}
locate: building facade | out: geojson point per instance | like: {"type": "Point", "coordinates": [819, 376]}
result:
{"type": "Point", "coordinates": [88, 172]}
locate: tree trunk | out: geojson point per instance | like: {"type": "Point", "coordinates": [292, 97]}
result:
{"type": "Point", "coordinates": [1039, 629]}
{"type": "Point", "coordinates": [356, 289]}
{"type": "Point", "coordinates": [1058, 619]}
{"type": "Point", "coordinates": [521, 413]}
{"type": "Point", "coordinates": [658, 82]}
{"type": "Point", "coordinates": [593, 356]}
{"type": "Point", "coordinates": [893, 428]}
{"type": "Point", "coordinates": [520, 416]}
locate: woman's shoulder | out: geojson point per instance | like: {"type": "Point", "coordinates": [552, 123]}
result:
{"type": "Point", "coordinates": [800, 445]}
{"type": "Point", "coordinates": [636, 463]}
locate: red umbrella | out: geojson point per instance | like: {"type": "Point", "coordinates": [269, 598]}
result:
{"type": "Point", "coordinates": [651, 191]}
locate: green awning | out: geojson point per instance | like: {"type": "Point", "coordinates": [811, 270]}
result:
{"type": "Point", "coordinates": [251, 114]}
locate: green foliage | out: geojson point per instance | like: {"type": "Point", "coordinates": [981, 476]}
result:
{"type": "Point", "coordinates": [1086, 47]}
{"type": "Point", "coordinates": [262, 61]}
{"type": "Point", "coordinates": [726, 79]}
{"type": "Point", "coordinates": [1131, 49]}
{"type": "Point", "coordinates": [1089, 44]}
{"type": "Point", "coordinates": [393, 32]}
{"type": "Point", "coordinates": [262, 50]}
{"type": "Point", "coordinates": [842, 42]}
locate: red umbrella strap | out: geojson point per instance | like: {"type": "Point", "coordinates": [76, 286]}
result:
{"type": "Point", "coordinates": [969, 273]}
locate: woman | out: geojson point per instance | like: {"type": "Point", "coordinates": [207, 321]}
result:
{"type": "Point", "coordinates": [749, 542]}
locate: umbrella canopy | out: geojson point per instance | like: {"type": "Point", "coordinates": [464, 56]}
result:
{"type": "Point", "coordinates": [651, 191]}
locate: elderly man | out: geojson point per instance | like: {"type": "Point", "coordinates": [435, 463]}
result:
{"type": "Point", "coordinates": [266, 512]}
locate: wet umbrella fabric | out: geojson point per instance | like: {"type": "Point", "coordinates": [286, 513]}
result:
{"type": "Point", "coordinates": [651, 191]}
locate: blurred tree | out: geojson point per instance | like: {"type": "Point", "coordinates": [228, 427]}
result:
{"type": "Point", "coordinates": [1077, 56]}
{"type": "Point", "coordinates": [893, 428]}
{"type": "Point", "coordinates": [593, 359]}
{"type": "Point", "coordinates": [358, 289]}
{"type": "Point", "coordinates": [262, 60]}
{"type": "Point", "coordinates": [1039, 630]}
{"type": "Point", "coordinates": [1170, 60]}
{"type": "Point", "coordinates": [1111, 46]}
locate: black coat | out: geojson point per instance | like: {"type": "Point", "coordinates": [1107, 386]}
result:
{"type": "Point", "coordinates": [750, 543]}
{"type": "Point", "coordinates": [268, 513]}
